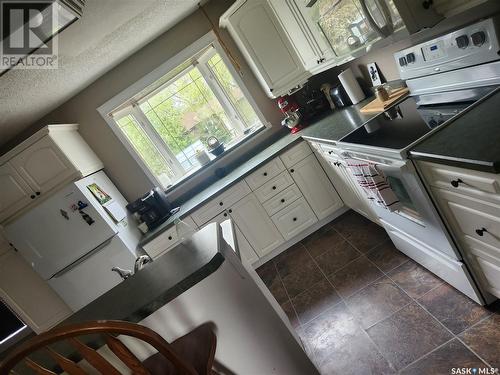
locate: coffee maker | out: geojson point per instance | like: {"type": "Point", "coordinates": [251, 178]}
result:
{"type": "Point", "coordinates": [152, 209]}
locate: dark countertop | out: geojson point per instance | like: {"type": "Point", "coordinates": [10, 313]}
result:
{"type": "Point", "coordinates": [471, 141]}
{"type": "Point", "coordinates": [338, 124]}
{"type": "Point", "coordinates": [158, 282]}
{"type": "Point", "coordinates": [329, 128]}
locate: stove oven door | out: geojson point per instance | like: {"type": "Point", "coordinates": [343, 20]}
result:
{"type": "Point", "coordinates": [417, 215]}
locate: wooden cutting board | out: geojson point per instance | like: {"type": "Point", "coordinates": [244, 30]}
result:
{"type": "Point", "coordinates": [378, 105]}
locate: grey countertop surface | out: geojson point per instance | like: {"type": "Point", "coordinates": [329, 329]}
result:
{"type": "Point", "coordinates": [159, 282]}
{"type": "Point", "coordinates": [471, 141]}
{"type": "Point", "coordinates": [329, 128]}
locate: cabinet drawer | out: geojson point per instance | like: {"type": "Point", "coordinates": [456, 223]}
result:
{"type": "Point", "coordinates": [294, 218]}
{"type": "Point", "coordinates": [163, 242]}
{"type": "Point", "coordinates": [282, 199]}
{"type": "Point", "coordinates": [273, 187]}
{"type": "Point", "coordinates": [475, 218]}
{"type": "Point", "coordinates": [265, 173]}
{"type": "Point", "coordinates": [220, 203]}
{"type": "Point", "coordinates": [465, 181]}
{"type": "Point", "coordinates": [295, 154]}
{"type": "Point", "coordinates": [166, 240]}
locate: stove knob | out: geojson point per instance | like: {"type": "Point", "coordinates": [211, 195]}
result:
{"type": "Point", "coordinates": [410, 57]}
{"type": "Point", "coordinates": [402, 61]}
{"type": "Point", "coordinates": [462, 41]}
{"type": "Point", "coordinates": [432, 123]}
{"type": "Point", "coordinates": [478, 38]}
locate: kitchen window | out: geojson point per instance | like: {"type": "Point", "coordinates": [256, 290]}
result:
{"type": "Point", "coordinates": [168, 122]}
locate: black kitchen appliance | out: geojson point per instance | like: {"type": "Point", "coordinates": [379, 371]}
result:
{"type": "Point", "coordinates": [339, 96]}
{"type": "Point", "coordinates": [153, 208]}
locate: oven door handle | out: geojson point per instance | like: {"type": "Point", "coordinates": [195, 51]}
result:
{"type": "Point", "coordinates": [400, 167]}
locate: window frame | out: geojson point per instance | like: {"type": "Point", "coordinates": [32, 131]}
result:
{"type": "Point", "coordinates": [131, 107]}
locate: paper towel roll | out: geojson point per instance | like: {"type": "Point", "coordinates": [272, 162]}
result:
{"type": "Point", "coordinates": [351, 86]}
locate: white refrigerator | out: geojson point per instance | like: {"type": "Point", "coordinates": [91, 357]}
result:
{"type": "Point", "coordinates": [74, 238]}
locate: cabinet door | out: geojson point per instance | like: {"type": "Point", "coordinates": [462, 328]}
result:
{"type": "Point", "coordinates": [14, 191]}
{"type": "Point", "coordinates": [254, 223]}
{"type": "Point", "coordinates": [246, 250]}
{"type": "Point", "coordinates": [316, 187]}
{"type": "Point", "coordinates": [29, 295]}
{"type": "Point", "coordinates": [261, 38]}
{"type": "Point", "coordinates": [43, 165]}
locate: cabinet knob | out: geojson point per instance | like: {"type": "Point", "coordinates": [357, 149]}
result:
{"type": "Point", "coordinates": [265, 173]}
{"type": "Point", "coordinates": [294, 219]}
{"type": "Point", "coordinates": [480, 232]}
{"type": "Point", "coordinates": [292, 170]}
{"type": "Point", "coordinates": [221, 203]}
{"type": "Point", "coordinates": [225, 214]}
{"type": "Point", "coordinates": [456, 182]}
{"type": "Point", "coordinates": [32, 196]}
{"type": "Point", "coordinates": [230, 211]}
{"type": "Point", "coordinates": [170, 238]}
{"type": "Point", "coordinates": [282, 200]}
{"type": "Point", "coordinates": [274, 187]}
{"type": "Point", "coordinates": [330, 152]}
{"type": "Point", "coordinates": [37, 193]}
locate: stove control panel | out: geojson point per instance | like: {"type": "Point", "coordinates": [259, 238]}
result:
{"type": "Point", "coordinates": [471, 45]}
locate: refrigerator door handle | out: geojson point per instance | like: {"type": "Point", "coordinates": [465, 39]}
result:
{"type": "Point", "coordinates": [83, 258]}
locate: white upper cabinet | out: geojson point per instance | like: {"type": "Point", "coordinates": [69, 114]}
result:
{"type": "Point", "coordinates": [50, 158]}
{"type": "Point", "coordinates": [312, 49]}
{"type": "Point", "coordinates": [316, 187]}
{"type": "Point", "coordinates": [14, 191]}
{"type": "Point", "coordinates": [267, 48]}
{"type": "Point", "coordinates": [43, 165]}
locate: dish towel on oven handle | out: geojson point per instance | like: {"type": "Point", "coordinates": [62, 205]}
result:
{"type": "Point", "coordinates": [374, 184]}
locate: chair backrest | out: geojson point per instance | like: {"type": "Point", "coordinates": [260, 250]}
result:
{"type": "Point", "coordinates": [108, 329]}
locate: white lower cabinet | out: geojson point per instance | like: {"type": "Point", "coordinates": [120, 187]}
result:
{"type": "Point", "coordinates": [166, 240]}
{"type": "Point", "coordinates": [246, 250]}
{"type": "Point", "coordinates": [316, 187]}
{"type": "Point", "coordinates": [255, 224]}
{"type": "Point", "coordinates": [31, 298]}
{"type": "Point", "coordinates": [344, 181]}
{"type": "Point", "coordinates": [294, 218]}
{"type": "Point", "coordinates": [476, 224]}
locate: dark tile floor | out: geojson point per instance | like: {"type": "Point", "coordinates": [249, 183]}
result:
{"type": "Point", "coordinates": [360, 306]}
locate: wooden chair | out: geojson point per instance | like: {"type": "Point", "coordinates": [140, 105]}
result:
{"type": "Point", "coordinates": [191, 354]}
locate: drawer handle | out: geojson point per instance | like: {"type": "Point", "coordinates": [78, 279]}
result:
{"type": "Point", "coordinates": [456, 182]}
{"type": "Point", "coordinates": [283, 201]}
{"type": "Point", "coordinates": [274, 187]}
{"type": "Point", "coordinates": [265, 173]}
{"type": "Point", "coordinates": [294, 219]}
{"type": "Point", "coordinates": [480, 232]}
{"type": "Point", "coordinates": [221, 204]}
{"type": "Point", "coordinates": [330, 152]}
{"type": "Point", "coordinates": [170, 238]}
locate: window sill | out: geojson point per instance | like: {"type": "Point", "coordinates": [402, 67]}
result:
{"type": "Point", "coordinates": [215, 160]}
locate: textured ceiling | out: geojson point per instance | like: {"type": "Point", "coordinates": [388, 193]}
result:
{"type": "Point", "coordinates": [108, 32]}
